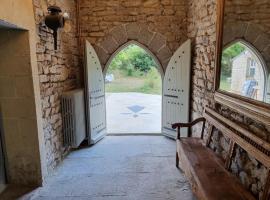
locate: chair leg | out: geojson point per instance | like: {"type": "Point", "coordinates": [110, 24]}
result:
{"type": "Point", "coordinates": [177, 160]}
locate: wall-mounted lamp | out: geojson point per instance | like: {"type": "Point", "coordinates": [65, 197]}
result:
{"type": "Point", "coordinates": [54, 20]}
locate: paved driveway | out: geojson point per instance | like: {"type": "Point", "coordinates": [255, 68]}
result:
{"type": "Point", "coordinates": [133, 113]}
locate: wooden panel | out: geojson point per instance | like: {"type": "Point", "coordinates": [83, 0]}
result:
{"type": "Point", "coordinates": [251, 110]}
{"type": "Point", "coordinates": [209, 179]}
{"type": "Point", "coordinates": [95, 92]}
{"type": "Point", "coordinates": [219, 33]}
{"type": "Point", "coordinates": [208, 141]}
{"type": "Point", "coordinates": [238, 128]}
{"type": "Point", "coordinates": [230, 155]}
{"type": "Point", "coordinates": [255, 146]}
{"type": "Point", "coordinates": [176, 90]}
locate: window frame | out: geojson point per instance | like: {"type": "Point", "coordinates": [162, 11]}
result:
{"type": "Point", "coordinates": [251, 108]}
{"type": "Point", "coordinates": [258, 59]}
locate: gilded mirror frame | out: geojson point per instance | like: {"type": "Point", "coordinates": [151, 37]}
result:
{"type": "Point", "coordinates": [257, 110]}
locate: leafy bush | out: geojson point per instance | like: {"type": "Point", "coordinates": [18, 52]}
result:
{"type": "Point", "coordinates": [227, 55]}
{"type": "Point", "coordinates": [132, 58]}
{"type": "Point", "coordinates": [134, 71]}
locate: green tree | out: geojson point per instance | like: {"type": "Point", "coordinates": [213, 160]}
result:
{"type": "Point", "coordinates": [227, 56]}
{"type": "Point", "coordinates": [131, 59]}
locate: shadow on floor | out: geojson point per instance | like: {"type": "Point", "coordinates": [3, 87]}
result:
{"type": "Point", "coordinates": [13, 192]}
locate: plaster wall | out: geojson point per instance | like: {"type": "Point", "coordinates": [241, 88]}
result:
{"type": "Point", "coordinates": [19, 91]}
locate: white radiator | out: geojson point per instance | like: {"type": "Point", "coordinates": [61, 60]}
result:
{"type": "Point", "coordinates": [73, 117]}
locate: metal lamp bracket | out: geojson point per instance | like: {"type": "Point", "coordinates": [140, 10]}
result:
{"type": "Point", "coordinates": [54, 20]}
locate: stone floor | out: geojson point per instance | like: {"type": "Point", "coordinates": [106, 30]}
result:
{"type": "Point", "coordinates": [133, 113]}
{"type": "Point", "coordinates": [118, 168]}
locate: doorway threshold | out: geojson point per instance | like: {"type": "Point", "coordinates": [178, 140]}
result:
{"type": "Point", "coordinates": [134, 134]}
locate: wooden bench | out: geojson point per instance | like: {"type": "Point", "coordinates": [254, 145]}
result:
{"type": "Point", "coordinates": [208, 175]}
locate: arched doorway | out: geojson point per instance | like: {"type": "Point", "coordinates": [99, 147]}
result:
{"type": "Point", "coordinates": [133, 86]}
{"type": "Point", "coordinates": [175, 94]}
{"type": "Point", "coordinates": [244, 71]}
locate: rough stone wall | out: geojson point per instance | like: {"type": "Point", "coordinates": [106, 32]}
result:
{"type": "Point", "coordinates": [251, 172]}
{"type": "Point", "coordinates": [173, 21]}
{"type": "Point", "coordinates": [58, 70]}
{"type": "Point", "coordinates": [201, 20]}
{"type": "Point", "coordinates": [165, 18]}
{"type": "Point", "coordinates": [249, 20]}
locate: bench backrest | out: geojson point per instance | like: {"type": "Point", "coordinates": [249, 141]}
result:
{"type": "Point", "coordinates": [252, 144]}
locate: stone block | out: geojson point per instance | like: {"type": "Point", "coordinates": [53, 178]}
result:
{"type": "Point", "coordinates": [102, 55]}
{"type": "Point", "coordinates": [252, 33]}
{"type": "Point", "coordinates": [43, 78]}
{"type": "Point", "coordinates": [133, 30]}
{"type": "Point", "coordinates": [157, 42]}
{"type": "Point", "coordinates": [119, 34]}
{"type": "Point", "coordinates": [109, 44]}
{"type": "Point", "coordinates": [164, 53]}
{"type": "Point", "coordinates": [151, 3]}
{"type": "Point", "coordinates": [145, 36]}
{"type": "Point", "coordinates": [262, 42]}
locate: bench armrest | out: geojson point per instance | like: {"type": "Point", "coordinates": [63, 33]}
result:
{"type": "Point", "coordinates": [189, 125]}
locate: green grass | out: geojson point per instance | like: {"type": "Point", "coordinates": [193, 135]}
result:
{"type": "Point", "coordinates": [149, 83]}
{"type": "Point", "coordinates": [225, 85]}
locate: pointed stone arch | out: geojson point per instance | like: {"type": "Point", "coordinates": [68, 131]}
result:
{"type": "Point", "coordinates": [251, 33]}
{"type": "Point", "coordinates": [159, 65]}
{"type": "Point", "coordinates": [140, 34]}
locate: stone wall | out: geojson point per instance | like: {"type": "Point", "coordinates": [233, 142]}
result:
{"type": "Point", "coordinates": [249, 20]}
{"type": "Point", "coordinates": [201, 28]}
{"type": "Point", "coordinates": [251, 172]}
{"type": "Point", "coordinates": [160, 25]}
{"type": "Point", "coordinates": [58, 72]}
{"type": "Point", "coordinates": [201, 20]}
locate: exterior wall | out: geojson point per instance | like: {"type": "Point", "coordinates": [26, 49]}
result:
{"type": "Point", "coordinates": [201, 20]}
{"type": "Point", "coordinates": [239, 74]}
{"type": "Point", "coordinates": [157, 24]}
{"type": "Point", "coordinates": [20, 95]}
{"type": "Point", "coordinates": [242, 21]}
{"type": "Point", "coordinates": [58, 71]}
{"type": "Point", "coordinates": [239, 69]}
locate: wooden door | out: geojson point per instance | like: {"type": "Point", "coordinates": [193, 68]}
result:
{"type": "Point", "coordinates": [176, 90]}
{"type": "Point", "coordinates": [95, 96]}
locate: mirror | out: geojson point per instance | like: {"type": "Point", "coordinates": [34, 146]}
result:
{"type": "Point", "coordinates": [245, 50]}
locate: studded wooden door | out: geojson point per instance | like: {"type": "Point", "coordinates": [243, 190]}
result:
{"type": "Point", "coordinates": [95, 96]}
{"type": "Point", "coordinates": [176, 90]}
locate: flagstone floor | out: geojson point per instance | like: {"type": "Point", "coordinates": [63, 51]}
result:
{"type": "Point", "coordinates": [133, 113]}
{"type": "Point", "coordinates": [118, 168]}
